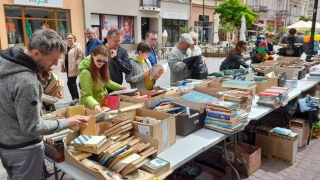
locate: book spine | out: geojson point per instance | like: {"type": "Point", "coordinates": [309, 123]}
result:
{"type": "Point", "coordinates": [218, 124]}
{"type": "Point", "coordinates": [220, 115]}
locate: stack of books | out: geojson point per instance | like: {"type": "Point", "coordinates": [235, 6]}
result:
{"type": "Point", "coordinates": [273, 96]}
{"type": "Point", "coordinates": [243, 98]}
{"type": "Point", "coordinates": [314, 76]}
{"type": "Point", "coordinates": [223, 116]}
{"type": "Point", "coordinates": [55, 86]}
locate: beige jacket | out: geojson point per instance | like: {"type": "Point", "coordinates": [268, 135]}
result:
{"type": "Point", "coordinates": [75, 56]}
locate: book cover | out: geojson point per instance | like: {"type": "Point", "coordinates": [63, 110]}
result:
{"type": "Point", "coordinates": [156, 165]}
{"type": "Point", "coordinates": [87, 140]}
{"type": "Point", "coordinates": [238, 84]}
{"type": "Point", "coordinates": [222, 104]}
{"type": "Point", "coordinates": [223, 125]}
{"type": "Point", "coordinates": [199, 97]}
{"type": "Point", "coordinates": [221, 115]}
{"type": "Point", "coordinates": [111, 102]}
{"type": "Point", "coordinates": [125, 161]}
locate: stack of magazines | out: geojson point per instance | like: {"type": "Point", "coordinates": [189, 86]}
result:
{"type": "Point", "coordinates": [225, 117]}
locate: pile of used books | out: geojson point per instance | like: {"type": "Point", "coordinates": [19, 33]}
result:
{"type": "Point", "coordinates": [243, 98]}
{"type": "Point", "coordinates": [225, 117]}
{"type": "Point", "coordinates": [183, 85]}
{"type": "Point", "coordinates": [273, 96]}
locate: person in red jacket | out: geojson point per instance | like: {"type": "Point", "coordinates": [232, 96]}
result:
{"type": "Point", "coordinates": [263, 50]}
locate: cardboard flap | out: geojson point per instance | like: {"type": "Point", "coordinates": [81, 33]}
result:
{"type": "Point", "coordinates": [147, 139]}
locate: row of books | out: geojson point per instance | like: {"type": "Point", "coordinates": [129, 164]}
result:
{"type": "Point", "coordinates": [117, 150]}
{"type": "Point", "coordinates": [273, 96]}
{"type": "Point", "coordinates": [55, 86]}
{"type": "Point", "coordinates": [225, 117]}
{"type": "Point", "coordinates": [243, 98]}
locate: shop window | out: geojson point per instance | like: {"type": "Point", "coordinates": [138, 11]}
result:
{"type": "Point", "coordinates": [64, 28]}
{"type": "Point", "coordinates": [15, 32]}
{"type": "Point", "coordinates": [21, 22]}
{"type": "Point", "coordinates": [39, 13]}
{"type": "Point", "coordinates": [63, 14]}
{"type": "Point", "coordinates": [12, 11]}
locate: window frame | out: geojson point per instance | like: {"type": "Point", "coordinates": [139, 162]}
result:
{"type": "Point", "coordinates": [23, 19]}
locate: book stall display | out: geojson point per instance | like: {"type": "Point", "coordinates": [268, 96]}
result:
{"type": "Point", "coordinates": [173, 132]}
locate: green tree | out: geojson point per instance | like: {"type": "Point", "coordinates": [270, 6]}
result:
{"type": "Point", "coordinates": [231, 11]}
{"type": "Point", "coordinates": [303, 18]}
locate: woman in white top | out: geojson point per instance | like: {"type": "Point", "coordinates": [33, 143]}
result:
{"type": "Point", "coordinates": [195, 50]}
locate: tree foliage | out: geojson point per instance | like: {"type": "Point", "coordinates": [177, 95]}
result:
{"type": "Point", "coordinates": [303, 18]}
{"type": "Point", "coordinates": [231, 11]}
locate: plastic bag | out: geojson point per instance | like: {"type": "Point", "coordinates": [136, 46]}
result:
{"type": "Point", "coordinates": [315, 68]}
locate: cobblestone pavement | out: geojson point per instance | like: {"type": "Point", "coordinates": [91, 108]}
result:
{"type": "Point", "coordinates": [307, 166]}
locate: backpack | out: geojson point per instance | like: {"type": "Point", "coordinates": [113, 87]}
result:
{"type": "Point", "coordinates": [254, 58]}
{"type": "Point", "coordinates": [200, 72]}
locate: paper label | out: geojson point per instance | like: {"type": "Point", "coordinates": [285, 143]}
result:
{"type": "Point", "coordinates": [300, 134]}
{"type": "Point", "coordinates": [165, 133]}
{"type": "Point", "coordinates": [144, 130]}
{"type": "Point", "coordinates": [230, 156]}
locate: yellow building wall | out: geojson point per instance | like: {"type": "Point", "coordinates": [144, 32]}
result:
{"type": "Point", "coordinates": [76, 20]}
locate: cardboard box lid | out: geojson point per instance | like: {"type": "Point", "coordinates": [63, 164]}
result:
{"type": "Point", "coordinates": [300, 123]}
{"type": "Point", "coordinates": [265, 130]}
{"type": "Point", "coordinates": [291, 137]}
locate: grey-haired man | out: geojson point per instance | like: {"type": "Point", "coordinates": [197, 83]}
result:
{"type": "Point", "coordinates": [178, 69]}
{"type": "Point", "coordinates": [22, 126]}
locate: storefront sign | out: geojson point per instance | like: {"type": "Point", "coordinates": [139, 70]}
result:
{"type": "Point", "coordinates": [174, 15]}
{"type": "Point", "coordinates": [46, 3]}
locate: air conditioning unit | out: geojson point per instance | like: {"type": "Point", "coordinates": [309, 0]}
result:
{"type": "Point", "coordinates": [203, 18]}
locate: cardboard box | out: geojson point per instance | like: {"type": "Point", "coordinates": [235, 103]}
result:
{"type": "Point", "coordinates": [156, 96]}
{"type": "Point", "coordinates": [249, 153]}
{"type": "Point", "coordinates": [284, 148]}
{"type": "Point", "coordinates": [262, 140]}
{"type": "Point", "coordinates": [163, 128]}
{"type": "Point", "coordinates": [290, 72]}
{"type": "Point", "coordinates": [55, 153]}
{"type": "Point", "coordinates": [95, 170]}
{"type": "Point", "coordinates": [301, 127]}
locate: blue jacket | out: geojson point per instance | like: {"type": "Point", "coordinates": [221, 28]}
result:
{"type": "Point", "coordinates": [152, 58]}
{"type": "Point", "coordinates": [91, 45]}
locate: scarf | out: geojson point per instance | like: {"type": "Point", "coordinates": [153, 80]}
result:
{"type": "Point", "coordinates": [145, 67]}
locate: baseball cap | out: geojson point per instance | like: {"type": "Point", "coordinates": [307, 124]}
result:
{"type": "Point", "coordinates": [185, 37]}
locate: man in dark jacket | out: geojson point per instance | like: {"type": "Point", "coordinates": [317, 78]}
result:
{"type": "Point", "coordinates": [22, 126]}
{"type": "Point", "coordinates": [120, 63]}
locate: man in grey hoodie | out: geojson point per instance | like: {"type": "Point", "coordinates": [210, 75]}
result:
{"type": "Point", "coordinates": [22, 126]}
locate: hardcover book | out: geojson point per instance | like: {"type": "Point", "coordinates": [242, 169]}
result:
{"type": "Point", "coordinates": [239, 84]}
{"type": "Point", "coordinates": [88, 141]}
{"type": "Point", "coordinates": [156, 165]}
{"type": "Point", "coordinates": [199, 97]}
{"type": "Point", "coordinates": [111, 102]}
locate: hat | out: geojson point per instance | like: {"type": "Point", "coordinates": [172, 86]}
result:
{"type": "Point", "coordinates": [185, 37]}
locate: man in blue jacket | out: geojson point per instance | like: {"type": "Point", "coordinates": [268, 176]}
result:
{"type": "Point", "coordinates": [92, 41]}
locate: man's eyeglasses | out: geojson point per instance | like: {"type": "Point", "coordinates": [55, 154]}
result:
{"type": "Point", "coordinates": [102, 61]}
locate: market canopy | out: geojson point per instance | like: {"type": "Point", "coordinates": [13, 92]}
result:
{"type": "Point", "coordinates": [302, 25]}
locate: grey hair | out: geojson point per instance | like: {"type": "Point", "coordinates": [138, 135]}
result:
{"type": "Point", "coordinates": [113, 31]}
{"type": "Point", "coordinates": [150, 32]}
{"type": "Point", "coordinates": [45, 40]}
{"type": "Point", "coordinates": [194, 34]}
{"type": "Point", "coordinates": [90, 29]}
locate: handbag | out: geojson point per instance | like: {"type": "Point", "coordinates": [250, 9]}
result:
{"type": "Point", "coordinates": [63, 69]}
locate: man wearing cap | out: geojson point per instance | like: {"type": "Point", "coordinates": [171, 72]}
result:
{"type": "Point", "coordinates": [179, 69]}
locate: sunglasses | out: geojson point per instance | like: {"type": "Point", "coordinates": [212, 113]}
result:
{"type": "Point", "coordinates": [102, 61]}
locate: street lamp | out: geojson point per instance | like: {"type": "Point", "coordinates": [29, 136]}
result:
{"type": "Point", "coordinates": [203, 22]}
{"type": "Point", "coordinates": [291, 13]}
{"type": "Point", "coordinates": [313, 28]}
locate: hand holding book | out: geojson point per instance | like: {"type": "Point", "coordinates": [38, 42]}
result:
{"type": "Point", "coordinates": [78, 121]}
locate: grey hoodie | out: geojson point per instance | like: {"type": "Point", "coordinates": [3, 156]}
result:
{"type": "Point", "coordinates": [136, 77]}
{"type": "Point", "coordinates": [20, 102]}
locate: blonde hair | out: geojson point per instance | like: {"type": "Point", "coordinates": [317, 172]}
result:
{"type": "Point", "coordinates": [193, 34]}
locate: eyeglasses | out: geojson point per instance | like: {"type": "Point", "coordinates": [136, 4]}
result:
{"type": "Point", "coordinates": [102, 61]}
{"type": "Point", "coordinates": [69, 38]}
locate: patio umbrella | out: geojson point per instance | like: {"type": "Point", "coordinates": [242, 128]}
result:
{"type": "Point", "coordinates": [310, 24]}
{"type": "Point", "coordinates": [216, 28]}
{"type": "Point", "coordinates": [300, 25]}
{"type": "Point", "coordinates": [243, 28]}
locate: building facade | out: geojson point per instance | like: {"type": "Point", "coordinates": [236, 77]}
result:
{"type": "Point", "coordinates": [310, 10]}
{"type": "Point", "coordinates": [22, 17]}
{"type": "Point", "coordinates": [135, 18]}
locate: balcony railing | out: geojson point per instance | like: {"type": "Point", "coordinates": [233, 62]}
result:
{"type": "Point", "coordinates": [260, 8]}
{"type": "Point", "coordinates": [282, 13]}
{"type": "Point", "coordinates": [150, 5]}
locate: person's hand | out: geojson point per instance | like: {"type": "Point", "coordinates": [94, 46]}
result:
{"type": "Point", "coordinates": [60, 95]}
{"type": "Point", "coordinates": [97, 108]}
{"type": "Point", "coordinates": [204, 60]}
{"type": "Point", "coordinates": [271, 52]}
{"type": "Point", "coordinates": [258, 69]}
{"type": "Point", "coordinates": [156, 77]}
{"type": "Point", "coordinates": [78, 121]}
{"type": "Point", "coordinates": [146, 74]}
{"type": "Point", "coordinates": [123, 88]}
{"type": "Point", "coordinates": [113, 53]}
{"type": "Point", "coordinates": [285, 45]}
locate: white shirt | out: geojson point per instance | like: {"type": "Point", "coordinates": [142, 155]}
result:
{"type": "Point", "coordinates": [196, 51]}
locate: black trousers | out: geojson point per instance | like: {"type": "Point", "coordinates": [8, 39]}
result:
{"type": "Point", "coordinates": [73, 88]}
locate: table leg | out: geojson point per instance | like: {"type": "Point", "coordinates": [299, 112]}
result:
{"type": "Point", "coordinates": [235, 150]}
{"type": "Point", "coordinates": [62, 175]}
{"type": "Point", "coordinates": [55, 172]}
{"type": "Point", "coordinates": [226, 155]}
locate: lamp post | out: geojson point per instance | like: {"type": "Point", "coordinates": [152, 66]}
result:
{"type": "Point", "coordinates": [313, 28]}
{"type": "Point", "coordinates": [203, 21]}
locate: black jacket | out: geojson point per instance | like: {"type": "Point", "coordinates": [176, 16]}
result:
{"type": "Point", "coordinates": [118, 65]}
{"type": "Point", "coordinates": [233, 61]}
